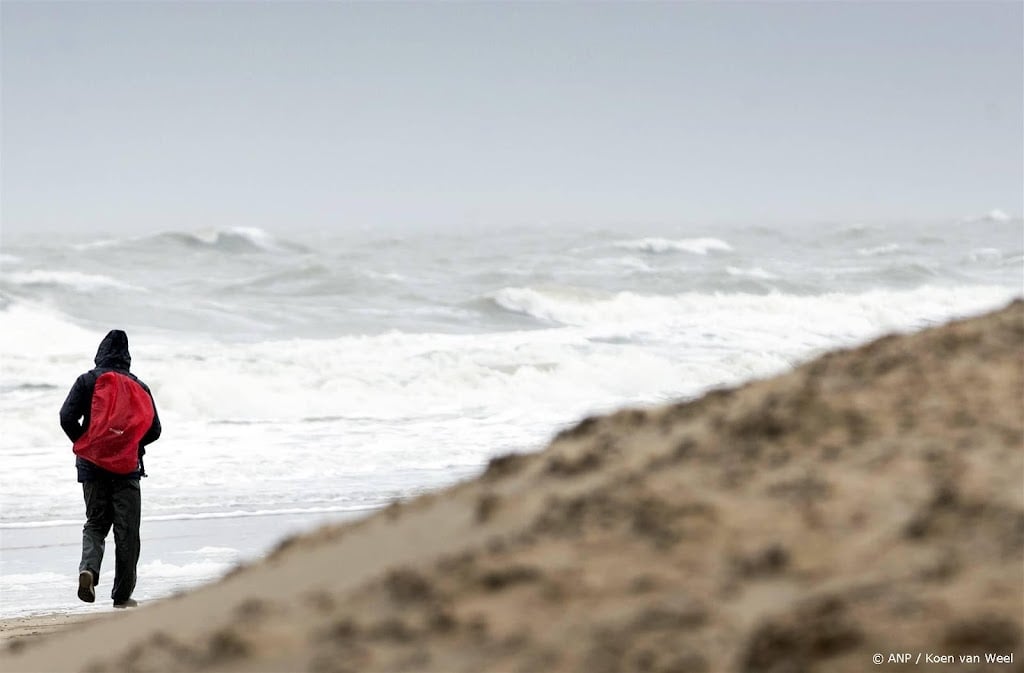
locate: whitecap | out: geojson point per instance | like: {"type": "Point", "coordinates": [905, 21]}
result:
{"type": "Point", "coordinates": [391, 276]}
{"type": "Point", "coordinates": [994, 216]}
{"type": "Point", "coordinates": [696, 246]}
{"type": "Point", "coordinates": [756, 272]}
{"type": "Point", "coordinates": [101, 244]}
{"type": "Point", "coordinates": [76, 280]}
{"type": "Point", "coordinates": [887, 249]}
{"type": "Point", "coordinates": [231, 240]}
{"type": "Point", "coordinates": [663, 311]}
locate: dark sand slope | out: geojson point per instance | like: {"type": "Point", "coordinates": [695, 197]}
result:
{"type": "Point", "coordinates": [872, 501]}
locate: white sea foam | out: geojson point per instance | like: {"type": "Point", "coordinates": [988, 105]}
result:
{"type": "Point", "coordinates": [75, 280]}
{"type": "Point", "coordinates": [50, 332]}
{"type": "Point", "coordinates": [385, 397]}
{"type": "Point", "coordinates": [158, 570]}
{"type": "Point", "coordinates": [697, 246]}
{"type": "Point", "coordinates": [994, 216]}
{"type": "Point", "coordinates": [103, 243]}
{"type": "Point", "coordinates": [877, 250]}
{"type": "Point", "coordinates": [441, 376]}
{"type": "Point", "coordinates": [225, 553]}
{"type": "Point", "coordinates": [254, 234]}
{"type": "Point", "coordinates": [8, 260]}
{"type": "Point", "coordinates": [756, 272]}
{"type": "Point", "coordinates": [384, 275]}
{"type": "Point", "coordinates": [28, 580]}
{"type": "Point", "coordinates": [239, 238]}
{"type": "Point", "coordinates": [252, 238]}
{"type": "Point", "coordinates": [422, 375]}
{"type": "Point", "coordinates": [628, 307]}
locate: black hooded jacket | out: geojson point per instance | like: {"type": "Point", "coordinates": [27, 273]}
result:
{"type": "Point", "coordinates": [112, 355]}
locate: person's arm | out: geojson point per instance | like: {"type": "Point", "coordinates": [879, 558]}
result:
{"type": "Point", "coordinates": [155, 428]}
{"type": "Point", "coordinates": [76, 409]}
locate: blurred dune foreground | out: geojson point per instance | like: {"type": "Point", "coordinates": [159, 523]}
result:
{"type": "Point", "coordinates": [870, 501]}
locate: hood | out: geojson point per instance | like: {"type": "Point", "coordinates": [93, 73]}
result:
{"type": "Point", "coordinates": [113, 351]}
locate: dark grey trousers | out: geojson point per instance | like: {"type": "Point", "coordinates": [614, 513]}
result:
{"type": "Point", "coordinates": [117, 503]}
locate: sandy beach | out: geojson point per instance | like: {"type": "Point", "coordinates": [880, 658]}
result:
{"type": "Point", "coordinates": [26, 628]}
{"type": "Point", "coordinates": [867, 503]}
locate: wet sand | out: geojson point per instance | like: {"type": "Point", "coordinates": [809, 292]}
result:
{"type": "Point", "coordinates": [28, 628]}
{"type": "Point", "coordinates": [870, 502]}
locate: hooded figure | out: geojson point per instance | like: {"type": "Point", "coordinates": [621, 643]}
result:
{"type": "Point", "coordinates": [113, 351]}
{"type": "Point", "coordinates": [111, 498]}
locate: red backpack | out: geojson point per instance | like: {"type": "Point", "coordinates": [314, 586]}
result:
{"type": "Point", "coordinates": [120, 415]}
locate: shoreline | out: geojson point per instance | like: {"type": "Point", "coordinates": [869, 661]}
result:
{"type": "Point", "coordinates": [176, 556]}
{"type": "Point", "coordinates": [32, 627]}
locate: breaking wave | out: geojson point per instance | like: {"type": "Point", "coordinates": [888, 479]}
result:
{"type": "Point", "coordinates": [75, 280]}
{"type": "Point", "coordinates": [994, 216]}
{"type": "Point", "coordinates": [658, 246]}
{"type": "Point", "coordinates": [881, 309]}
{"type": "Point", "coordinates": [756, 272]}
{"type": "Point", "coordinates": [877, 250]}
{"type": "Point", "coordinates": [228, 240]}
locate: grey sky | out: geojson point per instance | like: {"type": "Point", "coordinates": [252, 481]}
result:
{"type": "Point", "coordinates": [189, 115]}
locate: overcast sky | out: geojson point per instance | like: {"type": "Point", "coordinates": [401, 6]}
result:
{"type": "Point", "coordinates": [141, 116]}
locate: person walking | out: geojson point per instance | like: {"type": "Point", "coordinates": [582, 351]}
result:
{"type": "Point", "coordinates": [111, 417]}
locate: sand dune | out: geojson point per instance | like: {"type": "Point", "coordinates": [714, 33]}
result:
{"type": "Point", "coordinates": [871, 501]}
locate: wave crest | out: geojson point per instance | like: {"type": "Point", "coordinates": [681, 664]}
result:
{"type": "Point", "coordinates": [587, 309]}
{"type": "Point", "coordinates": [756, 272]}
{"type": "Point", "coordinates": [994, 216]}
{"type": "Point", "coordinates": [878, 250]}
{"type": "Point", "coordinates": [76, 280]}
{"type": "Point", "coordinates": [660, 246]}
{"type": "Point", "coordinates": [233, 239]}
{"type": "Point", "coordinates": [228, 240]}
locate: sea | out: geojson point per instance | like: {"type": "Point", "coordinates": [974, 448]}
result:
{"type": "Point", "coordinates": [304, 377]}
